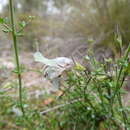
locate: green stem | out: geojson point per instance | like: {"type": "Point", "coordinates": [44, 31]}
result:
{"type": "Point", "coordinates": [123, 112]}
{"type": "Point", "coordinates": [117, 88]}
{"type": "Point", "coordinates": [14, 36]}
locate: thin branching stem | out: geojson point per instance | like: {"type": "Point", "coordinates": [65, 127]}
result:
{"type": "Point", "coordinates": [18, 70]}
{"type": "Point", "coordinates": [123, 112]}
{"type": "Point", "coordinates": [118, 86]}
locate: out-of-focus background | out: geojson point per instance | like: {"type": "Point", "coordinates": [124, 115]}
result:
{"type": "Point", "coordinates": [66, 28]}
{"type": "Point", "coordinates": [63, 27]}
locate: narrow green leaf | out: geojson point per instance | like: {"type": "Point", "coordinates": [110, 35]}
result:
{"type": "Point", "coordinates": [119, 40]}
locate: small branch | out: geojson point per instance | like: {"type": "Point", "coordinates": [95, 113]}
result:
{"type": "Point", "coordinates": [59, 106]}
{"type": "Point", "coordinates": [21, 30]}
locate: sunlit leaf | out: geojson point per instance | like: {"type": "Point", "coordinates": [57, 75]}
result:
{"type": "Point", "coordinates": [23, 24]}
{"type": "Point", "coordinates": [1, 20]}
{"type": "Point", "coordinates": [31, 17]}
{"type": "Point", "coordinates": [79, 67]}
{"type": "Point", "coordinates": [87, 57]}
